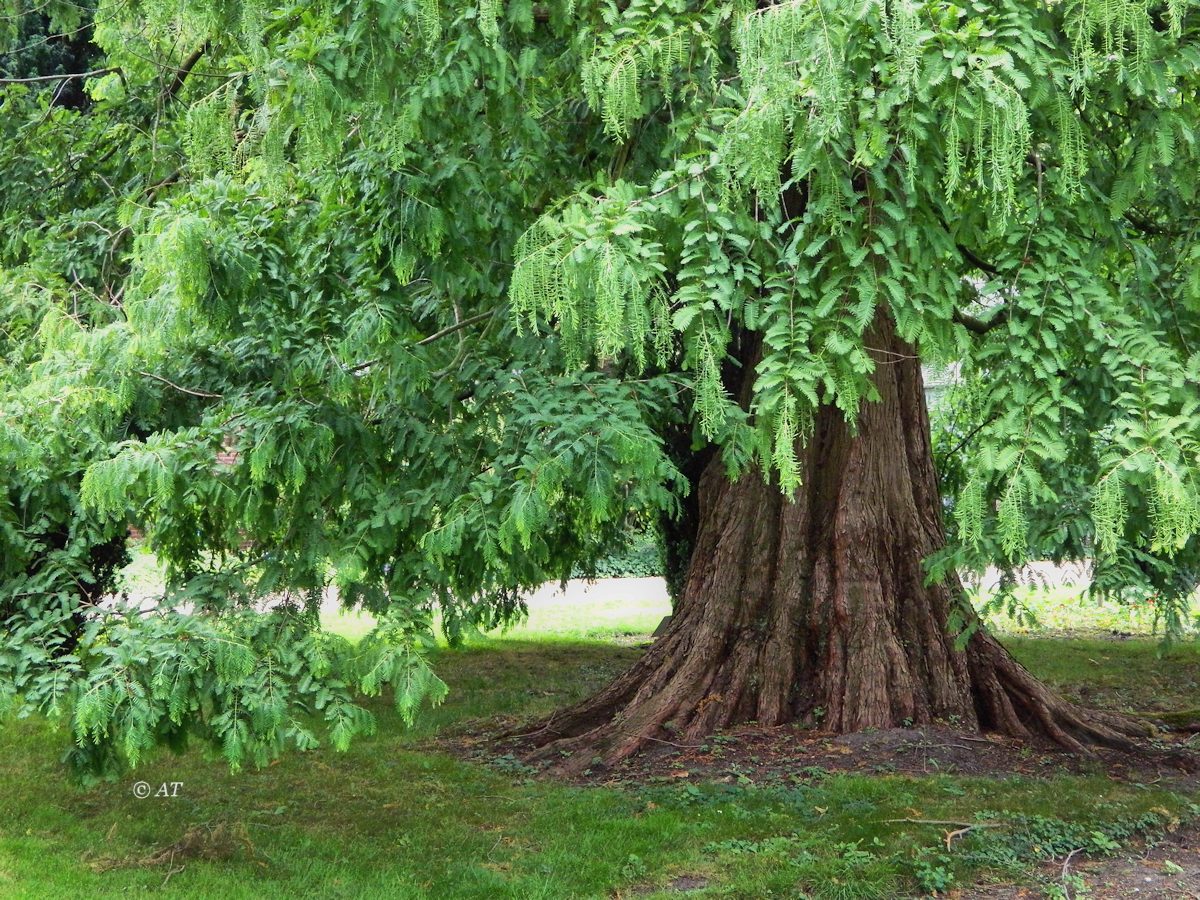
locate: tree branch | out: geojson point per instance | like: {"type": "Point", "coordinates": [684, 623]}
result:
{"type": "Point", "coordinates": [978, 262]}
{"type": "Point", "coordinates": [1145, 226]}
{"type": "Point", "coordinates": [974, 325]}
{"type": "Point", "coordinates": [457, 326]}
{"type": "Point", "coordinates": [152, 190]}
{"type": "Point", "coordinates": [970, 434]}
{"type": "Point", "coordinates": [967, 253]}
{"type": "Point", "coordinates": [947, 822]}
{"type": "Point", "coordinates": [181, 74]}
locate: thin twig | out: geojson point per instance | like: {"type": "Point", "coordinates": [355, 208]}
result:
{"type": "Point", "coordinates": [1066, 868]}
{"type": "Point", "coordinates": [900, 357]}
{"type": "Point", "coordinates": [67, 77]}
{"type": "Point", "coordinates": [974, 431]}
{"type": "Point", "coordinates": [670, 743]}
{"type": "Point", "coordinates": [964, 737]}
{"type": "Point", "coordinates": [194, 393]}
{"type": "Point", "coordinates": [644, 737]}
{"type": "Point", "coordinates": [449, 329]}
{"type": "Point", "coordinates": [179, 69]}
{"type": "Point", "coordinates": [171, 870]}
{"type": "Point", "coordinates": [947, 822]}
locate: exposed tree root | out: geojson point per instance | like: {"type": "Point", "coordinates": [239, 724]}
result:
{"type": "Point", "coordinates": [1014, 703]}
{"type": "Point", "coordinates": [657, 702]}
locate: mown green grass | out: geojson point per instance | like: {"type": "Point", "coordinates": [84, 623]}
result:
{"type": "Point", "coordinates": [394, 817]}
{"type": "Point", "coordinates": [1133, 675]}
{"type": "Point", "coordinates": [1042, 609]}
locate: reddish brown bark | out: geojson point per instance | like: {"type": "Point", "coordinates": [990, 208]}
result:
{"type": "Point", "coordinates": [815, 608]}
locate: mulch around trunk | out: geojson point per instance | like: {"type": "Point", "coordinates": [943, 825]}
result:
{"type": "Point", "coordinates": [783, 753]}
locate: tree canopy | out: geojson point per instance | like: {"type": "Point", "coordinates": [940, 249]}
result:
{"type": "Point", "coordinates": [464, 285]}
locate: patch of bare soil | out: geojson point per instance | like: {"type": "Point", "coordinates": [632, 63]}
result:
{"type": "Point", "coordinates": [681, 884]}
{"type": "Point", "coordinates": [1169, 869]}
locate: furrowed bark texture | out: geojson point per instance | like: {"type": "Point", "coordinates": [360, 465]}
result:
{"type": "Point", "coordinates": [815, 609]}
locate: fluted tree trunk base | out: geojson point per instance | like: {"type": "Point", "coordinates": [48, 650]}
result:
{"type": "Point", "coordinates": [815, 608]}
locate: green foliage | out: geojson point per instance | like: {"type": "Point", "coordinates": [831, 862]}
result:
{"type": "Point", "coordinates": [933, 875]}
{"type": "Point", "coordinates": [248, 683]}
{"type": "Point", "coordinates": [442, 276]}
{"type": "Point", "coordinates": [642, 557]}
{"type": "Point", "coordinates": [1026, 837]}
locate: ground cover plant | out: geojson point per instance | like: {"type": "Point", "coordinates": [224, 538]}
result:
{"type": "Point", "coordinates": [437, 812]}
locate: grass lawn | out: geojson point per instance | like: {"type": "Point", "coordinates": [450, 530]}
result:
{"type": "Point", "coordinates": [397, 817]}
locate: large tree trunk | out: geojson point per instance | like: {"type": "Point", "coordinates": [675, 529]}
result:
{"type": "Point", "coordinates": [816, 608]}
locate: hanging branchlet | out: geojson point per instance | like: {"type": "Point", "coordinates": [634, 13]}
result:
{"type": "Point", "coordinates": [594, 270]}
{"type": "Point", "coordinates": [210, 127]}
{"type": "Point", "coordinates": [614, 75]}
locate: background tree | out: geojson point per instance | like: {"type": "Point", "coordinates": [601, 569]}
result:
{"type": "Point", "coordinates": [467, 286]}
